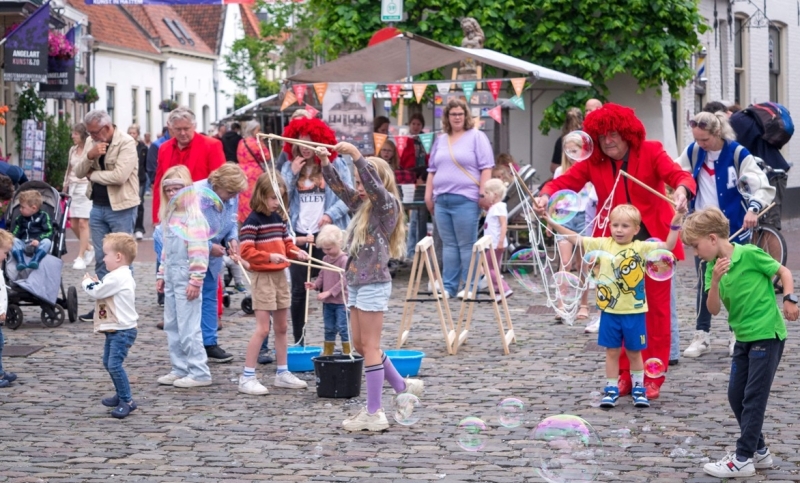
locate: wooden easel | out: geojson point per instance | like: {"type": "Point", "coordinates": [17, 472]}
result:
{"type": "Point", "coordinates": [425, 257]}
{"type": "Point", "coordinates": [471, 296]}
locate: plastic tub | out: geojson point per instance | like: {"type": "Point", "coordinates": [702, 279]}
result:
{"type": "Point", "coordinates": [407, 362]}
{"type": "Point", "coordinates": [299, 358]}
{"type": "Point", "coordinates": [338, 376]}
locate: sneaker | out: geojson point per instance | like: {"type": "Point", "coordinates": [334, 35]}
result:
{"type": "Point", "coordinates": [593, 326]}
{"type": "Point", "coordinates": [189, 382]}
{"type": "Point", "coordinates": [79, 264]}
{"type": "Point", "coordinates": [168, 379]}
{"type": "Point", "coordinates": [674, 362]}
{"type": "Point", "coordinates": [216, 354]}
{"type": "Point", "coordinates": [88, 257]}
{"type": "Point", "coordinates": [265, 358]}
{"type": "Point", "coordinates": [483, 283]}
{"type": "Point", "coordinates": [624, 385]}
{"type": "Point", "coordinates": [365, 421]}
{"type": "Point", "coordinates": [701, 343]}
{"type": "Point", "coordinates": [730, 467]}
{"type": "Point", "coordinates": [9, 377]}
{"type": "Point", "coordinates": [111, 401]}
{"type": "Point", "coordinates": [161, 299]}
{"type": "Point", "coordinates": [731, 344]}
{"type": "Point", "coordinates": [138, 234]}
{"type": "Point", "coordinates": [460, 294]}
{"type": "Point", "coordinates": [4, 383]}
{"type": "Point", "coordinates": [639, 397]}
{"type": "Point", "coordinates": [652, 390]}
{"type": "Point", "coordinates": [414, 386]}
{"type": "Point", "coordinates": [610, 396]}
{"type": "Point", "coordinates": [160, 325]}
{"type": "Point", "coordinates": [250, 385]}
{"type": "Point", "coordinates": [762, 461]}
{"type": "Point", "coordinates": [88, 316]}
{"type": "Point", "coordinates": [289, 380]}
{"type": "Point", "coordinates": [508, 294]}
{"type": "Point", "coordinates": [123, 410]}
{"type": "Point", "coordinates": [240, 287]}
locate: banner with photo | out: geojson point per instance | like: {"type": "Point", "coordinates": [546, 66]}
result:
{"type": "Point", "coordinates": [60, 75]}
{"type": "Point", "coordinates": [348, 113]}
{"type": "Point", "coordinates": [33, 137]}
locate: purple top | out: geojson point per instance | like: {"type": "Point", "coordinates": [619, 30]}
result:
{"type": "Point", "coordinates": [330, 281]}
{"type": "Point", "coordinates": [473, 151]}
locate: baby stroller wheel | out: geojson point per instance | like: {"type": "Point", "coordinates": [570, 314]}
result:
{"type": "Point", "coordinates": [14, 317]}
{"type": "Point", "coordinates": [52, 316]}
{"type": "Point", "coordinates": [247, 305]}
{"type": "Point", "coordinates": [72, 304]}
{"type": "Point", "coordinates": [226, 300]}
{"type": "Point", "coordinates": [227, 277]}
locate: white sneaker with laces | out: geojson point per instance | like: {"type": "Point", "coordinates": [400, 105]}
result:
{"type": "Point", "coordinates": [593, 326]}
{"type": "Point", "coordinates": [731, 344]}
{"type": "Point", "coordinates": [365, 421]}
{"type": "Point", "coordinates": [79, 264]}
{"type": "Point", "coordinates": [701, 343]}
{"type": "Point", "coordinates": [139, 235]}
{"type": "Point", "coordinates": [88, 256]}
{"type": "Point", "coordinates": [189, 382]}
{"type": "Point", "coordinates": [730, 467]}
{"type": "Point", "coordinates": [414, 386]}
{"type": "Point", "coordinates": [250, 385]}
{"type": "Point", "coordinates": [168, 379]}
{"type": "Point", "coordinates": [289, 380]}
{"type": "Point", "coordinates": [762, 461]}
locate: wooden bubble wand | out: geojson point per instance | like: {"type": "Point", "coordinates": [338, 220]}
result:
{"type": "Point", "coordinates": [733, 237]}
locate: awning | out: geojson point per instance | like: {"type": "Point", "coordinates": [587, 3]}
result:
{"type": "Point", "coordinates": [409, 54]}
{"type": "Point", "coordinates": [257, 104]}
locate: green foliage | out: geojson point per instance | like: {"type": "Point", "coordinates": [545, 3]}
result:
{"type": "Point", "coordinates": [265, 88]}
{"type": "Point", "coordinates": [240, 100]}
{"type": "Point", "coordinates": [58, 140]}
{"type": "Point", "coordinates": [29, 106]}
{"type": "Point", "coordinates": [86, 94]}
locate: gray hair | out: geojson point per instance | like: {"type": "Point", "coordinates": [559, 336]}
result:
{"type": "Point", "coordinates": [250, 127]}
{"type": "Point", "coordinates": [97, 116]}
{"type": "Point", "coordinates": [181, 113]}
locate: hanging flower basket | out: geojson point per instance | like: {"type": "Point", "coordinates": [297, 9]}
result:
{"type": "Point", "coordinates": [168, 105]}
{"type": "Point", "coordinates": [86, 94]}
{"type": "Point", "coordinates": [60, 47]}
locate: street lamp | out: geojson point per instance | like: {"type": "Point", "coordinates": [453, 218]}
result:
{"type": "Point", "coordinates": [171, 68]}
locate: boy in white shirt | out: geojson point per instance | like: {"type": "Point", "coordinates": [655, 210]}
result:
{"type": "Point", "coordinates": [115, 315]}
{"type": "Point", "coordinates": [6, 242]}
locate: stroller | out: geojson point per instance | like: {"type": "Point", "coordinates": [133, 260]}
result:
{"type": "Point", "coordinates": [37, 288]}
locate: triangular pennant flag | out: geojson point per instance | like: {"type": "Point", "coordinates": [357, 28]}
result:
{"type": "Point", "coordinates": [378, 139]}
{"type": "Point", "coordinates": [494, 87]}
{"type": "Point", "coordinates": [518, 84]}
{"type": "Point", "coordinates": [518, 101]}
{"type": "Point", "coordinates": [299, 92]}
{"type": "Point", "coordinates": [419, 91]}
{"type": "Point", "coordinates": [401, 142]}
{"type": "Point", "coordinates": [320, 88]}
{"type": "Point", "coordinates": [496, 114]}
{"type": "Point", "coordinates": [427, 141]}
{"type": "Point", "coordinates": [288, 100]}
{"type": "Point", "coordinates": [394, 91]}
{"type": "Point", "coordinates": [369, 90]}
{"type": "Point", "coordinates": [311, 110]}
{"type": "Point", "coordinates": [443, 88]}
{"type": "Point", "coordinates": [468, 88]}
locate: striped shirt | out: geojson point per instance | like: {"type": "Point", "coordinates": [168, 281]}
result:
{"type": "Point", "coordinates": [262, 235]}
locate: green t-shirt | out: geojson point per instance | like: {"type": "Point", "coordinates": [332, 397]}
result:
{"type": "Point", "coordinates": [747, 292]}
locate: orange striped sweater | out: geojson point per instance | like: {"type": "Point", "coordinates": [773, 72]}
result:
{"type": "Point", "coordinates": [262, 235]}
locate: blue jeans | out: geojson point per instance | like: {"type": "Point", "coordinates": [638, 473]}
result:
{"type": "Point", "coordinates": [675, 339]}
{"type": "Point", "coordinates": [114, 354]}
{"type": "Point", "coordinates": [335, 318]}
{"type": "Point", "coordinates": [43, 245]}
{"type": "Point", "coordinates": [457, 223]}
{"type": "Point", "coordinates": [703, 315]}
{"type": "Point", "coordinates": [210, 316]}
{"type": "Point", "coordinates": [102, 221]}
{"type": "Point", "coordinates": [2, 343]}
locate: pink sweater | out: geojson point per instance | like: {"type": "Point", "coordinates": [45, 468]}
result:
{"type": "Point", "coordinates": [329, 280]}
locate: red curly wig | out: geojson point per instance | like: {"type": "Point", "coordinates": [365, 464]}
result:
{"type": "Point", "coordinates": [613, 117]}
{"type": "Point", "coordinates": [316, 129]}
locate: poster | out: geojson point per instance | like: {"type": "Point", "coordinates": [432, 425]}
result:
{"type": "Point", "coordinates": [348, 113]}
{"type": "Point", "coordinates": [60, 76]}
{"type": "Point", "coordinates": [33, 146]}
{"type": "Point", "coordinates": [26, 49]}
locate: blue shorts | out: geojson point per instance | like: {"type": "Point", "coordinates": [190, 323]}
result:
{"type": "Point", "coordinates": [616, 328]}
{"type": "Point", "coordinates": [373, 297]}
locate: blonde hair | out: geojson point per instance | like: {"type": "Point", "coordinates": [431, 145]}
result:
{"type": "Point", "coordinates": [300, 113]}
{"type": "Point", "coordinates": [573, 121]}
{"type": "Point", "coordinates": [716, 124]}
{"type": "Point", "coordinates": [31, 198]}
{"type": "Point", "coordinates": [627, 211]}
{"type": "Point", "coordinates": [496, 187]}
{"type": "Point", "coordinates": [703, 223]}
{"type": "Point", "coordinates": [330, 235]}
{"type": "Point", "coordinates": [359, 227]}
{"type": "Point", "coordinates": [229, 177]}
{"type": "Point", "coordinates": [566, 161]}
{"type": "Point", "coordinates": [6, 239]}
{"type": "Point", "coordinates": [180, 172]}
{"type": "Point", "coordinates": [263, 190]}
{"type": "Point", "coordinates": [123, 243]}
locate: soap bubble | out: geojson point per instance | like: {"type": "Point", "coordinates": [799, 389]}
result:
{"type": "Point", "coordinates": [594, 399]}
{"type": "Point", "coordinates": [567, 287]}
{"type": "Point", "coordinates": [563, 206]}
{"type": "Point", "coordinates": [654, 368]}
{"type": "Point", "coordinates": [510, 412]}
{"type": "Point", "coordinates": [748, 184]}
{"type": "Point", "coordinates": [406, 409]}
{"type": "Point", "coordinates": [598, 261]}
{"type": "Point", "coordinates": [523, 267]}
{"type": "Point", "coordinates": [470, 434]}
{"type": "Point", "coordinates": [653, 239]}
{"type": "Point", "coordinates": [660, 264]}
{"type": "Point", "coordinates": [196, 214]}
{"type": "Point", "coordinates": [577, 145]}
{"type": "Point", "coordinates": [565, 449]}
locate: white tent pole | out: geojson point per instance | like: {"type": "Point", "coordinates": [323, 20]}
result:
{"type": "Point", "coordinates": [408, 59]}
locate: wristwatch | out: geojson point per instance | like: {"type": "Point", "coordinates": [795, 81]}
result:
{"type": "Point", "coordinates": [790, 298]}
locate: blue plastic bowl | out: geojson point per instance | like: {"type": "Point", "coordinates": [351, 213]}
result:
{"type": "Point", "coordinates": [299, 358]}
{"type": "Point", "coordinates": [406, 362]}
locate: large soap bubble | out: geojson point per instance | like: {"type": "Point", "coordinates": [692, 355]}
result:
{"type": "Point", "coordinates": [406, 409]}
{"type": "Point", "coordinates": [470, 434]}
{"type": "Point", "coordinates": [565, 449]}
{"type": "Point", "coordinates": [660, 264]}
{"type": "Point", "coordinates": [577, 145]}
{"type": "Point", "coordinates": [522, 265]}
{"type": "Point", "coordinates": [510, 412]}
{"type": "Point", "coordinates": [196, 214]}
{"type": "Point", "coordinates": [748, 184]}
{"type": "Point", "coordinates": [563, 206]}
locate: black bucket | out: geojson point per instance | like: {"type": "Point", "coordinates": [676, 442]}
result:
{"type": "Point", "coordinates": [338, 376]}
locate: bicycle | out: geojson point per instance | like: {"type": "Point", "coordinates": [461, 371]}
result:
{"type": "Point", "coordinates": [769, 238]}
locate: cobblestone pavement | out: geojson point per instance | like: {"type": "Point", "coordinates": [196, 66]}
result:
{"type": "Point", "coordinates": [53, 427]}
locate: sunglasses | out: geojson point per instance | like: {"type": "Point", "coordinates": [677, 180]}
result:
{"type": "Point", "coordinates": [702, 124]}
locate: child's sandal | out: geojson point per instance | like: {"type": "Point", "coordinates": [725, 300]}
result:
{"type": "Point", "coordinates": [583, 312]}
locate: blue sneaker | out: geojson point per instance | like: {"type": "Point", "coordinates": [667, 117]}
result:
{"type": "Point", "coordinates": [9, 376]}
{"type": "Point", "coordinates": [4, 383]}
{"type": "Point", "coordinates": [240, 287]}
{"type": "Point", "coordinates": [639, 396]}
{"type": "Point", "coordinates": [111, 402]}
{"type": "Point", "coordinates": [610, 396]}
{"type": "Point", "coordinates": [123, 410]}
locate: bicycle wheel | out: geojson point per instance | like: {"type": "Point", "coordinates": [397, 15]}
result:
{"type": "Point", "coordinates": [770, 239]}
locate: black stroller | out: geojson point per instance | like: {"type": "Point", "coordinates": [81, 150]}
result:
{"type": "Point", "coordinates": [21, 292]}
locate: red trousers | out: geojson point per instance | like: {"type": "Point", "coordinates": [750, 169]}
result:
{"type": "Point", "coordinates": [658, 328]}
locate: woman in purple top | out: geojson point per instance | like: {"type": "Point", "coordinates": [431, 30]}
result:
{"type": "Point", "coordinates": [461, 162]}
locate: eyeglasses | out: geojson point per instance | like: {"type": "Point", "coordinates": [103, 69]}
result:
{"type": "Point", "coordinates": [173, 189]}
{"type": "Point", "coordinates": [456, 114]}
{"type": "Point", "coordinates": [95, 133]}
{"type": "Point", "coordinates": [702, 124]}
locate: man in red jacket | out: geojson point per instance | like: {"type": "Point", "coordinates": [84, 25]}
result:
{"type": "Point", "coordinates": [621, 138]}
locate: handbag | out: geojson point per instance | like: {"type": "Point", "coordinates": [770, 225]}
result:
{"type": "Point", "coordinates": [255, 158]}
{"type": "Point", "coordinates": [450, 146]}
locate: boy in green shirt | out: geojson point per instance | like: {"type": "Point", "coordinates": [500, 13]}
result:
{"type": "Point", "coordinates": [740, 277]}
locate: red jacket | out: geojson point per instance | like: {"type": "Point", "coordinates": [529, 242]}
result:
{"type": "Point", "coordinates": [202, 156]}
{"type": "Point", "coordinates": [649, 164]}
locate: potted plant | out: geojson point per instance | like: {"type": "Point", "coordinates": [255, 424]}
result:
{"type": "Point", "coordinates": [168, 105]}
{"type": "Point", "coordinates": [86, 94]}
{"type": "Point", "coordinates": [60, 47]}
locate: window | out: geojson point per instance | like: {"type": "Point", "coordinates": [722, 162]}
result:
{"type": "Point", "coordinates": [134, 105]}
{"type": "Point", "coordinates": [179, 98]}
{"type": "Point", "coordinates": [148, 103]}
{"type": "Point", "coordinates": [774, 64]}
{"type": "Point", "coordinates": [739, 63]}
{"type": "Point", "coordinates": [79, 42]}
{"type": "Point", "coordinates": [110, 102]}
{"type": "Point", "coordinates": [191, 102]}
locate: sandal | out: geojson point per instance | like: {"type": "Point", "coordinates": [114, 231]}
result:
{"type": "Point", "coordinates": [583, 312]}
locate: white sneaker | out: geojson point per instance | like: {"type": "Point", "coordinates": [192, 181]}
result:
{"type": "Point", "coordinates": [189, 382]}
{"type": "Point", "coordinates": [483, 283]}
{"type": "Point", "coordinates": [250, 385]}
{"type": "Point", "coordinates": [762, 461]}
{"type": "Point", "coordinates": [79, 264]}
{"type": "Point", "coordinates": [365, 421]}
{"type": "Point", "coordinates": [460, 294]}
{"type": "Point", "coordinates": [414, 386]}
{"type": "Point", "coordinates": [731, 344]}
{"type": "Point", "coordinates": [139, 235]}
{"type": "Point", "coordinates": [701, 343]}
{"type": "Point", "coordinates": [730, 467]}
{"type": "Point", "coordinates": [287, 379]}
{"type": "Point", "coordinates": [593, 326]}
{"type": "Point", "coordinates": [439, 292]}
{"type": "Point", "coordinates": [168, 379]}
{"type": "Point", "coordinates": [88, 257]}
{"type": "Point", "coordinates": [508, 294]}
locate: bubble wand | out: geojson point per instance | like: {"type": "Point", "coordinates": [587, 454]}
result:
{"type": "Point", "coordinates": [297, 141]}
{"type": "Point", "coordinates": [739, 232]}
{"type": "Point", "coordinates": [663, 197]}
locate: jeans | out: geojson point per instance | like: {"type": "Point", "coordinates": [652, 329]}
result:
{"type": "Point", "coordinates": [139, 225]}
{"type": "Point", "coordinates": [675, 334]}
{"type": "Point", "coordinates": [210, 314]}
{"type": "Point", "coordinates": [116, 350]}
{"type": "Point", "coordinates": [2, 343]}
{"type": "Point", "coordinates": [299, 275]}
{"type": "Point", "coordinates": [43, 245]}
{"type": "Point", "coordinates": [753, 368]}
{"type": "Point", "coordinates": [335, 318]}
{"type": "Point", "coordinates": [102, 221]}
{"type": "Point", "coordinates": [703, 315]}
{"type": "Point", "coordinates": [457, 223]}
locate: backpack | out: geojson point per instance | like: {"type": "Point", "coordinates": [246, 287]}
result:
{"type": "Point", "coordinates": [775, 122]}
{"type": "Point", "coordinates": [737, 154]}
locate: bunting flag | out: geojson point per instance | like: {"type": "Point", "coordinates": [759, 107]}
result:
{"type": "Point", "coordinates": [401, 142]}
{"type": "Point", "coordinates": [320, 88]}
{"type": "Point", "coordinates": [288, 100]}
{"type": "Point", "coordinates": [299, 92]}
{"type": "Point", "coordinates": [468, 88]}
{"type": "Point", "coordinates": [518, 84]}
{"type": "Point", "coordinates": [369, 90]}
{"type": "Point", "coordinates": [394, 91]}
{"type": "Point", "coordinates": [443, 88]}
{"type": "Point", "coordinates": [311, 110]}
{"type": "Point", "coordinates": [518, 101]}
{"type": "Point", "coordinates": [496, 114]}
{"type": "Point", "coordinates": [427, 141]}
{"type": "Point", "coordinates": [494, 88]}
{"type": "Point", "coordinates": [378, 139]}
{"type": "Point", "coordinates": [419, 91]}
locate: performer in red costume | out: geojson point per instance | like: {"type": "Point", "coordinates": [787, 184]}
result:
{"type": "Point", "coordinates": [621, 138]}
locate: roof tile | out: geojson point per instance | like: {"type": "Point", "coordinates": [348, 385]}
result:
{"type": "Point", "coordinates": [111, 26]}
